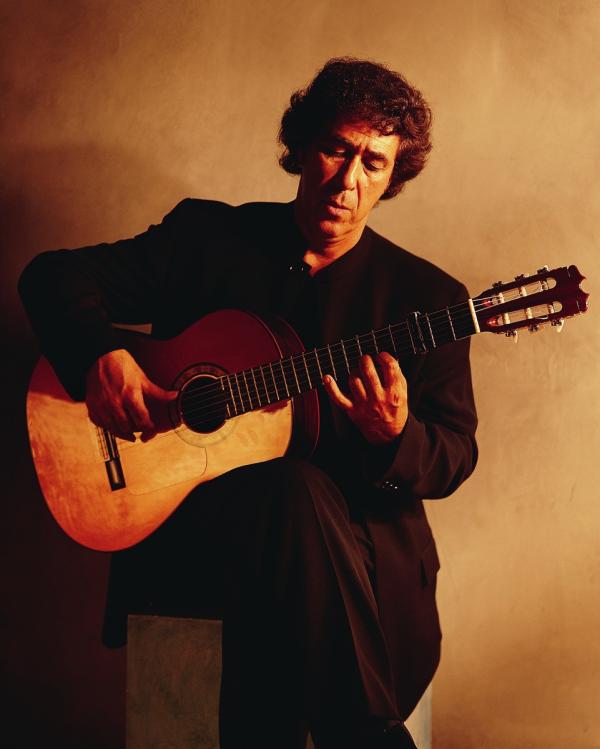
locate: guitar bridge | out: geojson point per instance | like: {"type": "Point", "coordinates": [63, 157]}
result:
{"type": "Point", "coordinates": [112, 460]}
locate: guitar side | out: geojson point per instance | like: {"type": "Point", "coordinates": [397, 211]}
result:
{"type": "Point", "coordinates": [68, 453]}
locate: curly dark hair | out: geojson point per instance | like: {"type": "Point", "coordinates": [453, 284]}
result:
{"type": "Point", "coordinates": [359, 90]}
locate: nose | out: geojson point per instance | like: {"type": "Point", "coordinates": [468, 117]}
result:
{"type": "Point", "coordinates": [348, 173]}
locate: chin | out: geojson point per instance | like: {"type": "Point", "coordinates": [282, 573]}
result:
{"type": "Point", "coordinates": [332, 228]}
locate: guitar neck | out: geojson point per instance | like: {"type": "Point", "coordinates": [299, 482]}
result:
{"type": "Point", "coordinates": [285, 378]}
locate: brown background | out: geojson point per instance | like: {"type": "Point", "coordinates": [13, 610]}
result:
{"type": "Point", "coordinates": [113, 111]}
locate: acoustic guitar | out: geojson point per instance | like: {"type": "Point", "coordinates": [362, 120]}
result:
{"type": "Point", "coordinates": [243, 397]}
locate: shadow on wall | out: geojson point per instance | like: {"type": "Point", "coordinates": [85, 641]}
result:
{"type": "Point", "coordinates": [63, 687]}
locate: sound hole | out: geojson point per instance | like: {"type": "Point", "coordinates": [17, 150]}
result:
{"type": "Point", "coordinates": [202, 404]}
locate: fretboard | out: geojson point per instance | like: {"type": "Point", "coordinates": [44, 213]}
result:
{"type": "Point", "coordinates": [285, 378]}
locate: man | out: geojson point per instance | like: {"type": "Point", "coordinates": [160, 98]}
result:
{"type": "Point", "coordinates": [324, 570]}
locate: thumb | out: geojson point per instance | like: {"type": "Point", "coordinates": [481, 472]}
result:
{"type": "Point", "coordinates": [158, 393]}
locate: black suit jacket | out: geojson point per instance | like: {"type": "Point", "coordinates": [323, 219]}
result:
{"type": "Point", "coordinates": [205, 256]}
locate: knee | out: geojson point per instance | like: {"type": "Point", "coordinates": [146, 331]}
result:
{"type": "Point", "coordinates": [300, 484]}
{"type": "Point", "coordinates": [291, 473]}
{"type": "Point", "coordinates": [294, 485]}
{"type": "Point", "coordinates": [290, 469]}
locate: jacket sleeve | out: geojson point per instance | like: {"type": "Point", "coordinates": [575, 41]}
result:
{"type": "Point", "coordinates": [72, 297]}
{"type": "Point", "coordinates": [436, 451]}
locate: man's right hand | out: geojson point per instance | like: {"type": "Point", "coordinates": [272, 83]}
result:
{"type": "Point", "coordinates": [122, 399]}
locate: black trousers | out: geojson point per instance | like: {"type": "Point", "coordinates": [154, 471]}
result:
{"type": "Point", "coordinates": [271, 550]}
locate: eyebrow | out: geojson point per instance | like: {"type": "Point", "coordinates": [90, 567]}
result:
{"type": "Point", "coordinates": [369, 153]}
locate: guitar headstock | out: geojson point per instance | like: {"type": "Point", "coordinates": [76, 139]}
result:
{"type": "Point", "coordinates": [530, 301]}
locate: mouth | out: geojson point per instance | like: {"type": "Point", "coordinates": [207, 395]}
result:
{"type": "Point", "coordinates": [334, 208]}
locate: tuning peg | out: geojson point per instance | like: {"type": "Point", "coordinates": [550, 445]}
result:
{"type": "Point", "coordinates": [543, 269]}
{"type": "Point", "coordinates": [512, 334]}
{"type": "Point", "coordinates": [534, 328]}
{"type": "Point", "coordinates": [521, 276]}
{"type": "Point", "coordinates": [558, 324]}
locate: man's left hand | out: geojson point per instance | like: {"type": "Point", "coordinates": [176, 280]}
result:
{"type": "Point", "coordinates": [376, 404]}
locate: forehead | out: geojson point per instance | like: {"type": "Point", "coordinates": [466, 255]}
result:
{"type": "Point", "coordinates": [362, 136]}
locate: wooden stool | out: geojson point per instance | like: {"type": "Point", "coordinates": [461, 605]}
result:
{"type": "Point", "coordinates": [173, 678]}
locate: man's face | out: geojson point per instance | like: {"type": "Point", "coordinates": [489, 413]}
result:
{"type": "Point", "coordinates": [344, 173]}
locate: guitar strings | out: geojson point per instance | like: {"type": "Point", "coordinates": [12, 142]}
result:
{"type": "Point", "coordinates": [216, 405]}
{"type": "Point", "coordinates": [365, 339]}
{"type": "Point", "coordinates": [203, 408]}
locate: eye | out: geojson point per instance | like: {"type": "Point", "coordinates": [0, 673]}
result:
{"type": "Point", "coordinates": [373, 167]}
{"type": "Point", "coordinates": [335, 152]}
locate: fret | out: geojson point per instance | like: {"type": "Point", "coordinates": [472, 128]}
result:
{"type": "Point", "coordinates": [232, 396]}
{"type": "Point", "coordinates": [316, 353]}
{"type": "Point", "coordinates": [291, 360]}
{"type": "Point", "coordinates": [430, 330]}
{"type": "Point", "coordinates": [375, 341]}
{"type": "Point", "coordinates": [408, 346]}
{"type": "Point", "coordinates": [247, 389]}
{"type": "Point", "coordinates": [392, 339]}
{"type": "Point", "coordinates": [255, 387]}
{"type": "Point", "coordinates": [450, 321]}
{"type": "Point", "coordinates": [265, 384]}
{"type": "Point", "coordinates": [274, 381]}
{"type": "Point", "coordinates": [307, 372]}
{"type": "Point", "coordinates": [240, 396]}
{"type": "Point", "coordinates": [331, 360]}
{"type": "Point", "coordinates": [357, 339]}
{"type": "Point", "coordinates": [345, 357]}
{"type": "Point", "coordinates": [280, 362]}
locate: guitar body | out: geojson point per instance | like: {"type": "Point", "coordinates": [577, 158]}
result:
{"type": "Point", "coordinates": [70, 453]}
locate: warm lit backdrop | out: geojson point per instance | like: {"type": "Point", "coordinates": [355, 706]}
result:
{"type": "Point", "coordinates": [112, 111]}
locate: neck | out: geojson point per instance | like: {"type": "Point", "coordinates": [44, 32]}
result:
{"type": "Point", "coordinates": [285, 378]}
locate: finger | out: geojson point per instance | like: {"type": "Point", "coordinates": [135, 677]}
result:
{"type": "Point", "coordinates": [138, 413]}
{"type": "Point", "coordinates": [159, 402]}
{"type": "Point", "coordinates": [391, 372]}
{"type": "Point", "coordinates": [113, 422]}
{"type": "Point", "coordinates": [127, 436]}
{"type": "Point", "coordinates": [116, 421]}
{"type": "Point", "coordinates": [336, 394]}
{"type": "Point", "coordinates": [145, 436]}
{"type": "Point", "coordinates": [120, 424]}
{"type": "Point", "coordinates": [158, 393]}
{"type": "Point", "coordinates": [370, 378]}
{"type": "Point", "coordinates": [357, 388]}
{"type": "Point", "coordinates": [118, 431]}
{"type": "Point", "coordinates": [394, 381]}
{"type": "Point", "coordinates": [95, 416]}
